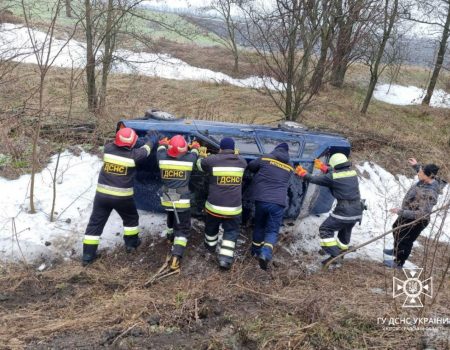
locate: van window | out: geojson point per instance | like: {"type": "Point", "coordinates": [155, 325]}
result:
{"type": "Point", "coordinates": [245, 144]}
{"type": "Point", "coordinates": [310, 149]}
{"type": "Point", "coordinates": [269, 144]}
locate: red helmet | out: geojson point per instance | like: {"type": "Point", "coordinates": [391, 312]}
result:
{"type": "Point", "coordinates": [177, 146]}
{"type": "Point", "coordinates": [126, 137]}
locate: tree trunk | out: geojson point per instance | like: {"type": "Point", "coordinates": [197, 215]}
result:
{"type": "Point", "coordinates": [439, 60]}
{"type": "Point", "coordinates": [319, 72]}
{"type": "Point", "coordinates": [107, 54]}
{"type": "Point", "coordinates": [379, 56]}
{"type": "Point", "coordinates": [68, 8]}
{"type": "Point", "coordinates": [341, 56]}
{"type": "Point", "coordinates": [90, 60]}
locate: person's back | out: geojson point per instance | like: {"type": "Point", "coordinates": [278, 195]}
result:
{"type": "Point", "coordinates": [271, 179]}
{"type": "Point", "coordinates": [115, 191]}
{"type": "Point", "coordinates": [269, 191]}
{"type": "Point", "coordinates": [224, 203]}
{"type": "Point", "coordinates": [176, 164]}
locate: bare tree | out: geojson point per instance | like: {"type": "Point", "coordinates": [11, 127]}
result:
{"type": "Point", "coordinates": [388, 19]}
{"type": "Point", "coordinates": [444, 16]}
{"type": "Point", "coordinates": [327, 32]}
{"type": "Point", "coordinates": [225, 10]}
{"type": "Point", "coordinates": [103, 23]}
{"type": "Point", "coordinates": [68, 8]}
{"type": "Point", "coordinates": [45, 54]}
{"type": "Point", "coordinates": [354, 19]}
{"type": "Point", "coordinates": [284, 40]}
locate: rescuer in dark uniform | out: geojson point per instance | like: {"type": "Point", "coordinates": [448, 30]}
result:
{"type": "Point", "coordinates": [115, 191]}
{"type": "Point", "coordinates": [176, 164]}
{"type": "Point", "coordinates": [224, 203]}
{"type": "Point", "coordinates": [344, 186]}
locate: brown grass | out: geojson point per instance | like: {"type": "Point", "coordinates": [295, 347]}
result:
{"type": "Point", "coordinates": [70, 306]}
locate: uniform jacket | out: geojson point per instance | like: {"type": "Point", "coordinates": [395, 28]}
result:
{"type": "Point", "coordinates": [175, 175]}
{"type": "Point", "coordinates": [420, 199]}
{"type": "Point", "coordinates": [344, 186]}
{"type": "Point", "coordinates": [225, 170]}
{"type": "Point", "coordinates": [118, 170]}
{"type": "Point", "coordinates": [271, 180]}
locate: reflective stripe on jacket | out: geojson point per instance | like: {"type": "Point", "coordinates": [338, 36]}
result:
{"type": "Point", "coordinates": [118, 170]}
{"type": "Point", "coordinates": [344, 186]}
{"type": "Point", "coordinates": [175, 175]}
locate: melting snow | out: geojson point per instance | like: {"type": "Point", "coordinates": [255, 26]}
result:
{"type": "Point", "coordinates": [15, 44]}
{"type": "Point", "coordinates": [409, 95]}
{"type": "Point", "coordinates": [35, 236]}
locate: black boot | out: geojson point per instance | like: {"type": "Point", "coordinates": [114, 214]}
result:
{"type": "Point", "coordinates": [132, 245]}
{"type": "Point", "coordinates": [263, 262]}
{"type": "Point", "coordinates": [89, 259]}
{"type": "Point", "coordinates": [224, 264]}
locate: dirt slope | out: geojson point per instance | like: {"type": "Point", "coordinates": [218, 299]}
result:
{"type": "Point", "coordinates": [291, 307]}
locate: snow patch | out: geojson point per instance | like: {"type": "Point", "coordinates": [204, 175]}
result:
{"type": "Point", "coordinates": [15, 44]}
{"type": "Point", "coordinates": [35, 238]}
{"type": "Point", "coordinates": [409, 95]}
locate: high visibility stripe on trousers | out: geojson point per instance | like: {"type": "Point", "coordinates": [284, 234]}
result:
{"type": "Point", "coordinates": [227, 248]}
{"type": "Point", "coordinates": [341, 245]}
{"type": "Point", "coordinates": [328, 242]}
{"type": "Point", "coordinates": [130, 231]}
{"type": "Point", "coordinates": [91, 240]}
{"type": "Point", "coordinates": [211, 240]}
{"type": "Point", "coordinates": [181, 241]}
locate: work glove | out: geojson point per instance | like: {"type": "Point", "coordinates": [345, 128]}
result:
{"type": "Point", "coordinates": [300, 171]}
{"type": "Point", "coordinates": [153, 137]}
{"type": "Point", "coordinates": [194, 145]}
{"type": "Point", "coordinates": [318, 164]}
{"type": "Point", "coordinates": [164, 141]}
{"type": "Point", "coordinates": [202, 152]}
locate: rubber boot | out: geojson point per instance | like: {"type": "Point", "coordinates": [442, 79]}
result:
{"type": "Point", "coordinates": [133, 245]}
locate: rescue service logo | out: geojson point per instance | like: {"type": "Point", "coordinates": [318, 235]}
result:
{"type": "Point", "coordinates": [115, 169]}
{"type": "Point", "coordinates": [171, 174]}
{"type": "Point", "coordinates": [229, 180]}
{"type": "Point", "coordinates": [412, 288]}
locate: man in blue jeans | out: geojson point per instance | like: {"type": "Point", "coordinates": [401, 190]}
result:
{"type": "Point", "coordinates": [269, 191]}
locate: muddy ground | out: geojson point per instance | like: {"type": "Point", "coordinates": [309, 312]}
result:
{"type": "Point", "coordinates": [294, 305]}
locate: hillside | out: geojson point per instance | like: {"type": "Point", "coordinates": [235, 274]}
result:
{"type": "Point", "coordinates": [54, 303]}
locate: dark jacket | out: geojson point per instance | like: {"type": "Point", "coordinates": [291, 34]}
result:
{"type": "Point", "coordinates": [344, 186]}
{"type": "Point", "coordinates": [420, 199]}
{"type": "Point", "coordinates": [271, 180]}
{"type": "Point", "coordinates": [175, 175]}
{"type": "Point", "coordinates": [225, 170]}
{"type": "Point", "coordinates": [118, 170]}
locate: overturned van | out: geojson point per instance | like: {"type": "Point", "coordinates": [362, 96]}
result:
{"type": "Point", "coordinates": [252, 141]}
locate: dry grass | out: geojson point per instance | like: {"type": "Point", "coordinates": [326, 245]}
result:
{"type": "Point", "coordinates": [71, 306]}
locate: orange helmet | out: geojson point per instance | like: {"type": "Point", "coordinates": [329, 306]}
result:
{"type": "Point", "coordinates": [177, 146]}
{"type": "Point", "coordinates": [126, 137]}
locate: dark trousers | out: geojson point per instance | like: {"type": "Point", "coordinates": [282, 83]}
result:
{"type": "Point", "coordinates": [405, 237]}
{"type": "Point", "coordinates": [268, 219]}
{"type": "Point", "coordinates": [230, 234]}
{"type": "Point", "coordinates": [103, 206]}
{"type": "Point", "coordinates": [329, 243]}
{"type": "Point", "coordinates": [181, 230]}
